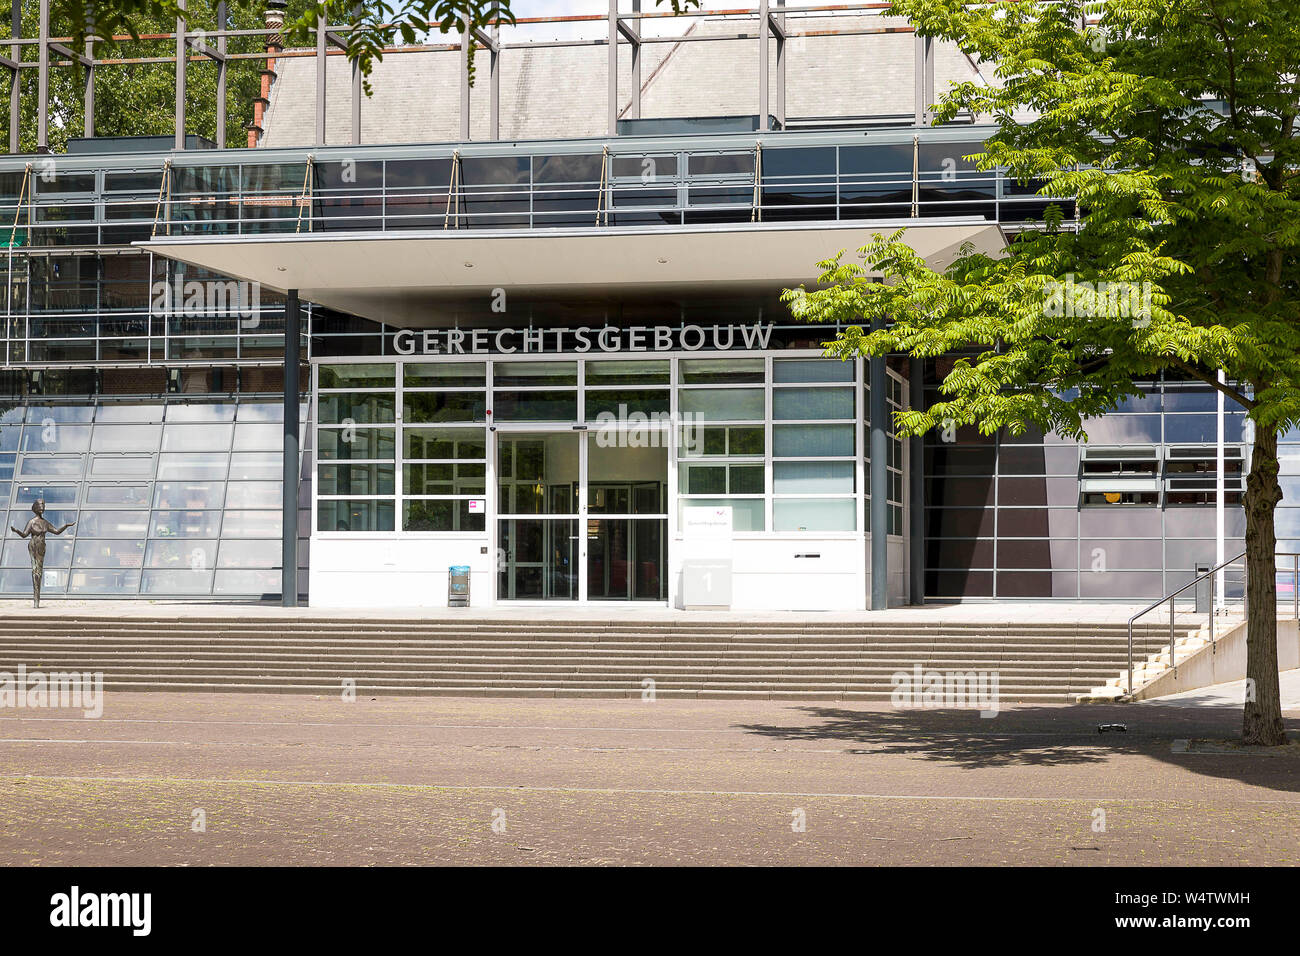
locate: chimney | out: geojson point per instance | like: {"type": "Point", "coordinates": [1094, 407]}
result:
{"type": "Point", "coordinates": [274, 17]}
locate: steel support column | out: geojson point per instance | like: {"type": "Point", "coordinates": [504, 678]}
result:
{"type": "Point", "coordinates": [466, 39]}
{"type": "Point", "coordinates": [494, 79]}
{"type": "Point", "coordinates": [322, 60]}
{"type": "Point", "coordinates": [780, 66]}
{"type": "Point", "coordinates": [181, 62]}
{"type": "Point", "coordinates": [879, 480]}
{"type": "Point", "coordinates": [764, 32]}
{"type": "Point", "coordinates": [292, 348]}
{"type": "Point", "coordinates": [15, 83]}
{"type": "Point", "coordinates": [612, 91]}
{"type": "Point", "coordinates": [923, 78]}
{"type": "Point", "coordinates": [634, 109]}
{"type": "Point", "coordinates": [88, 101]}
{"type": "Point", "coordinates": [223, 24]}
{"type": "Point", "coordinates": [43, 80]}
{"type": "Point", "coordinates": [916, 487]}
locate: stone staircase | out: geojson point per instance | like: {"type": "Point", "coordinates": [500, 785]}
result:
{"type": "Point", "coordinates": [1147, 667]}
{"type": "Point", "coordinates": [831, 660]}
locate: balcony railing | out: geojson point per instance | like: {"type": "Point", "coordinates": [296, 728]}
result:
{"type": "Point", "coordinates": [666, 181]}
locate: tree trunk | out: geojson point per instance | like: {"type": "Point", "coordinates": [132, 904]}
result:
{"type": "Point", "coordinates": [1262, 722]}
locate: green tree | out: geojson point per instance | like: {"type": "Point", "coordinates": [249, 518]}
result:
{"type": "Point", "coordinates": [1172, 125]}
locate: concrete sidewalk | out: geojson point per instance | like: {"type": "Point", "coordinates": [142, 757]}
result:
{"type": "Point", "coordinates": [994, 614]}
{"type": "Point", "coordinates": [1233, 694]}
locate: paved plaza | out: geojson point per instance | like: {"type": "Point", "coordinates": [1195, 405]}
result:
{"type": "Point", "coordinates": [261, 779]}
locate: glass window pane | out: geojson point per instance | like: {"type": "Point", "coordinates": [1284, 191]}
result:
{"type": "Point", "coordinates": [251, 524]}
{"type": "Point", "coordinates": [188, 553]}
{"type": "Point", "coordinates": [811, 403]}
{"type": "Point", "coordinates": [813, 441]}
{"type": "Point", "coordinates": [195, 580]}
{"type": "Point", "coordinates": [254, 494]}
{"type": "Point", "coordinates": [112, 524]}
{"type": "Point", "coordinates": [200, 465]}
{"type": "Point", "coordinates": [559, 406]}
{"type": "Point", "coordinates": [361, 407]}
{"type": "Point", "coordinates": [358, 376]}
{"type": "Point", "coordinates": [468, 443]}
{"type": "Point", "coordinates": [250, 554]}
{"type": "Point", "coordinates": [745, 479]}
{"type": "Point", "coordinates": [189, 495]}
{"type": "Point", "coordinates": [106, 581]}
{"type": "Point", "coordinates": [814, 514]}
{"type": "Point", "coordinates": [59, 413]}
{"type": "Point", "coordinates": [535, 373]}
{"type": "Point", "coordinates": [127, 496]}
{"type": "Point", "coordinates": [812, 370]}
{"type": "Point", "coordinates": [702, 479]}
{"type": "Point", "coordinates": [448, 515]}
{"type": "Point", "coordinates": [191, 437]}
{"type": "Point", "coordinates": [354, 515]}
{"type": "Point", "coordinates": [261, 412]}
{"type": "Point", "coordinates": [110, 466]}
{"type": "Point", "coordinates": [185, 524]}
{"type": "Point", "coordinates": [223, 412]}
{"type": "Point", "coordinates": [56, 437]}
{"type": "Point", "coordinates": [444, 479]}
{"type": "Point", "coordinates": [444, 374]}
{"type": "Point", "coordinates": [722, 404]}
{"type": "Point", "coordinates": [746, 513]}
{"type": "Point", "coordinates": [247, 582]}
{"type": "Point", "coordinates": [342, 444]}
{"type": "Point", "coordinates": [127, 438]}
{"type": "Point", "coordinates": [256, 465]}
{"type": "Point", "coordinates": [745, 441]}
{"type": "Point", "coordinates": [91, 553]}
{"type": "Point", "coordinates": [627, 373]}
{"type": "Point", "coordinates": [444, 406]}
{"type": "Point", "coordinates": [58, 553]}
{"type": "Point", "coordinates": [40, 467]}
{"type": "Point", "coordinates": [720, 371]}
{"type": "Point", "coordinates": [620, 403]}
{"type": "Point", "coordinates": [259, 437]}
{"type": "Point", "coordinates": [355, 480]}
{"type": "Point", "coordinates": [55, 496]}
{"type": "Point", "coordinates": [55, 516]}
{"type": "Point", "coordinates": [813, 477]}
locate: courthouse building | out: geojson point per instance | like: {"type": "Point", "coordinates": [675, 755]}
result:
{"type": "Point", "coordinates": [534, 329]}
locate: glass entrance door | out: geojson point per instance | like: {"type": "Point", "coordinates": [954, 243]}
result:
{"type": "Point", "coordinates": [581, 516]}
{"type": "Point", "coordinates": [627, 515]}
{"type": "Point", "coordinates": [537, 516]}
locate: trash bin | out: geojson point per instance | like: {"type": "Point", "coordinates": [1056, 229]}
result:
{"type": "Point", "coordinates": [458, 585]}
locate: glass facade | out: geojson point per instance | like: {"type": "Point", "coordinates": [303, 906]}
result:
{"type": "Point", "coordinates": [1130, 515]}
{"type": "Point", "coordinates": [170, 497]}
{"type": "Point", "coordinates": [140, 396]}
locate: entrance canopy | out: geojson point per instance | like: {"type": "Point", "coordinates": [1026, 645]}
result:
{"type": "Point", "coordinates": [394, 278]}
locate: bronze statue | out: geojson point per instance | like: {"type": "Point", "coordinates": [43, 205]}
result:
{"type": "Point", "coordinates": [36, 530]}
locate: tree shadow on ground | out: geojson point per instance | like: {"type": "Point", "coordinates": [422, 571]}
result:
{"type": "Point", "coordinates": [1041, 736]}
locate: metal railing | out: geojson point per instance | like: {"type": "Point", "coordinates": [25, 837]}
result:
{"type": "Point", "coordinates": [663, 180]}
{"type": "Point", "coordinates": [1226, 586]}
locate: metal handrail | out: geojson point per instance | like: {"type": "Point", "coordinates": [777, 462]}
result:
{"type": "Point", "coordinates": [1212, 575]}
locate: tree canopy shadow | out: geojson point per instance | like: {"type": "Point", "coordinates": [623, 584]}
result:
{"type": "Point", "coordinates": [1040, 736]}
